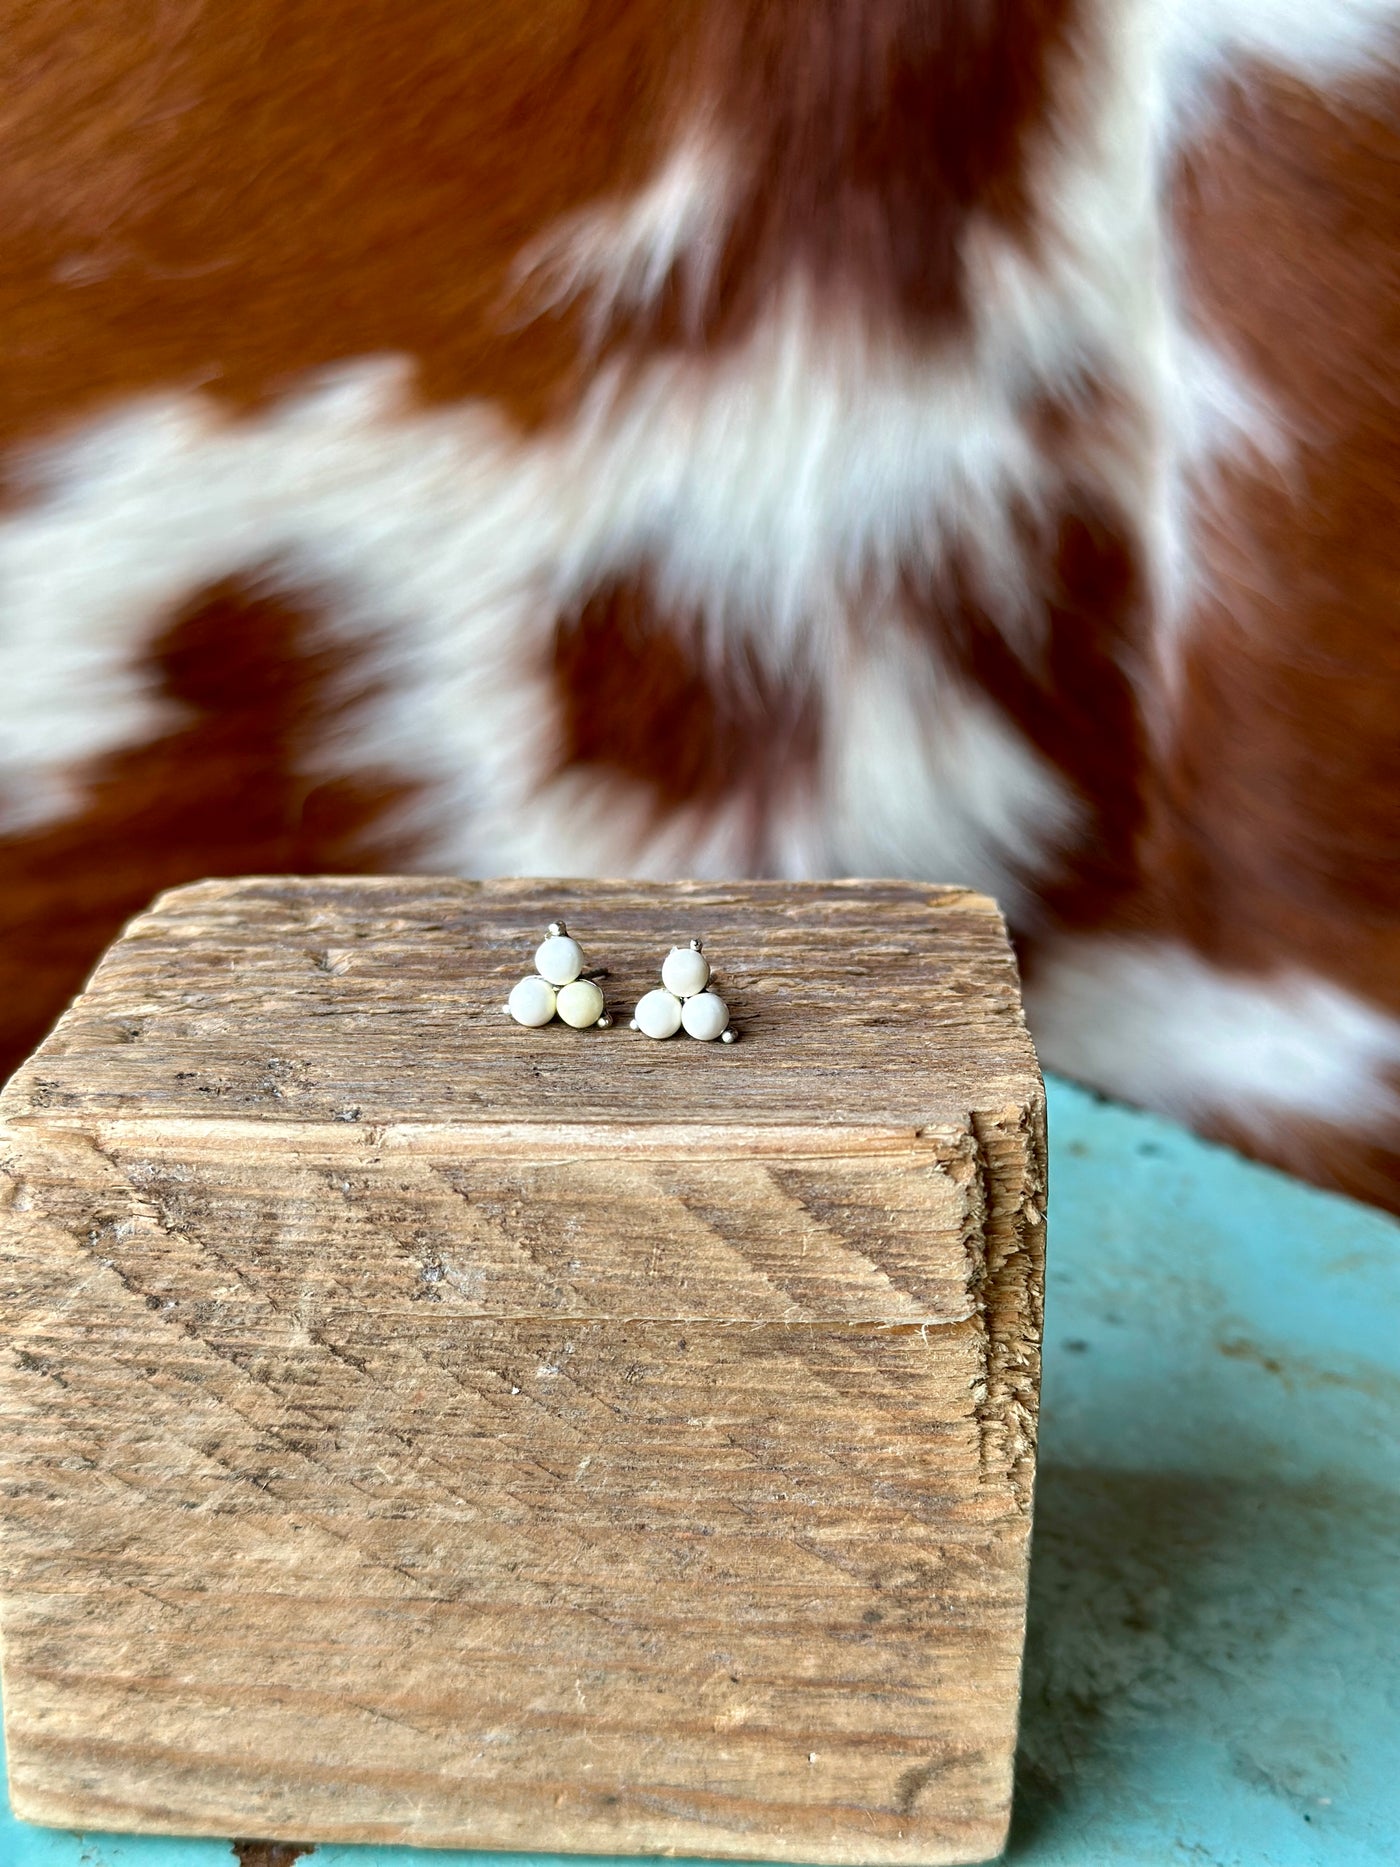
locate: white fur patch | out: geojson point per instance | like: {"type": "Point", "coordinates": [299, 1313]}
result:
{"type": "Point", "coordinates": [1320, 41]}
{"type": "Point", "coordinates": [776, 492]}
{"type": "Point", "coordinates": [1213, 418]}
{"type": "Point", "coordinates": [922, 777]}
{"type": "Point", "coordinates": [1155, 1023]}
{"type": "Point", "coordinates": [425, 526]}
{"type": "Point", "coordinates": [619, 256]}
{"type": "Point", "coordinates": [799, 466]}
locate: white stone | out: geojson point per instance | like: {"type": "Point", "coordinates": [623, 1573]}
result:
{"type": "Point", "coordinates": [659, 1014]}
{"type": "Point", "coordinates": [559, 959]}
{"type": "Point", "coordinates": [581, 1004]}
{"type": "Point", "coordinates": [532, 1001]}
{"type": "Point", "coordinates": [705, 1016]}
{"type": "Point", "coordinates": [685, 972]}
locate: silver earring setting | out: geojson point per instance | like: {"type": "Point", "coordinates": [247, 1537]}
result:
{"type": "Point", "coordinates": [557, 987]}
{"type": "Point", "coordinates": [683, 1001]}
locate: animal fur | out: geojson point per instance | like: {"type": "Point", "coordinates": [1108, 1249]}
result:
{"type": "Point", "coordinates": [876, 436]}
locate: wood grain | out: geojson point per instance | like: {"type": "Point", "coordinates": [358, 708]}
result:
{"type": "Point", "coordinates": [417, 1428]}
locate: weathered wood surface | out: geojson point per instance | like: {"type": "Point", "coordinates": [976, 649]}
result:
{"type": "Point", "coordinates": [415, 1427]}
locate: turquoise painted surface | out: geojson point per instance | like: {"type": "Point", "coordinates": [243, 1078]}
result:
{"type": "Point", "coordinates": [1213, 1676]}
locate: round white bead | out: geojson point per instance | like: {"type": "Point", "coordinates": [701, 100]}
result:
{"type": "Point", "coordinates": [559, 959]}
{"type": "Point", "coordinates": [659, 1014]}
{"type": "Point", "coordinates": [705, 1016]}
{"type": "Point", "coordinates": [685, 972]}
{"type": "Point", "coordinates": [581, 1004]}
{"type": "Point", "coordinates": [532, 1001]}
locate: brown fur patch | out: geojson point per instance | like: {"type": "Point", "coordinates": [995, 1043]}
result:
{"type": "Point", "coordinates": [1065, 668]}
{"type": "Point", "coordinates": [867, 136]}
{"type": "Point", "coordinates": [1364, 1166]}
{"type": "Point", "coordinates": [270, 1853]}
{"type": "Point", "coordinates": [1072, 697]}
{"type": "Point", "coordinates": [228, 197]}
{"type": "Point", "coordinates": [225, 793]}
{"type": "Point", "coordinates": [1277, 834]}
{"type": "Point", "coordinates": [637, 698]}
{"type": "Point", "coordinates": [231, 194]}
{"type": "Point", "coordinates": [1266, 829]}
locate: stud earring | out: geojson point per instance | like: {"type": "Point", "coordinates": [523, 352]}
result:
{"type": "Point", "coordinates": [683, 1000]}
{"type": "Point", "coordinates": [557, 987]}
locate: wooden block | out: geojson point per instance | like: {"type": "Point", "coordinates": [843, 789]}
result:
{"type": "Point", "coordinates": [417, 1428]}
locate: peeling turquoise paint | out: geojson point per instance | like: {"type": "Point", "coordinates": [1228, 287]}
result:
{"type": "Point", "coordinates": [1213, 1676]}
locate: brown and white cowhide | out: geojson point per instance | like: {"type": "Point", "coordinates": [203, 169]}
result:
{"type": "Point", "coordinates": [956, 438]}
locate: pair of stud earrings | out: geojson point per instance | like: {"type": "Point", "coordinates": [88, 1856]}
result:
{"type": "Point", "coordinates": [559, 987]}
